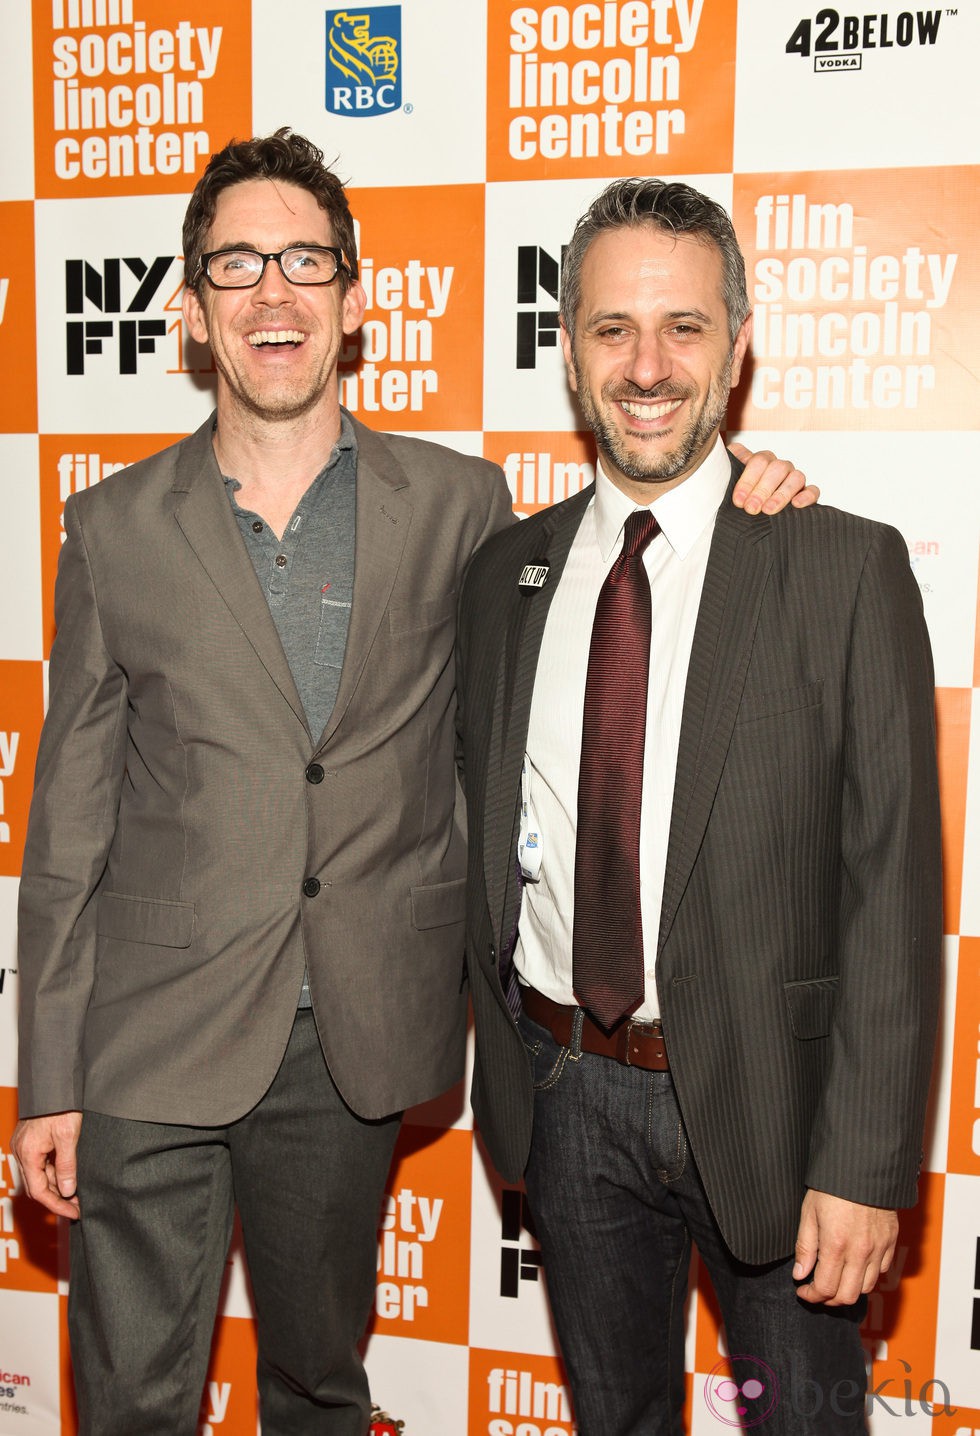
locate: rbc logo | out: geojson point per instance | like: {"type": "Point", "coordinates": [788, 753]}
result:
{"type": "Point", "coordinates": [364, 61]}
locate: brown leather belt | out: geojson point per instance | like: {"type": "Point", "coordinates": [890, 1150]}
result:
{"type": "Point", "coordinates": [635, 1044]}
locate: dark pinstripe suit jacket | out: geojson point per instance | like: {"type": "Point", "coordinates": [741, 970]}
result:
{"type": "Point", "coordinates": [800, 937]}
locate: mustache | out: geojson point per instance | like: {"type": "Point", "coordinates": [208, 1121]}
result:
{"type": "Point", "coordinates": [659, 394]}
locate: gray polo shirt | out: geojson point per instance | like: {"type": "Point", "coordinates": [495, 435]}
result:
{"type": "Point", "coordinates": [307, 576]}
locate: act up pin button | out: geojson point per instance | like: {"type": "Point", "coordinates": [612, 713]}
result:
{"type": "Point", "coordinates": [534, 575]}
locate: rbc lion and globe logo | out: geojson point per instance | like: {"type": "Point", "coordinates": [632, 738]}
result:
{"type": "Point", "coordinates": [364, 61]}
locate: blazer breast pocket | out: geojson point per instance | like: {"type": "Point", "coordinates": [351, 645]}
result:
{"type": "Point", "coordinates": [417, 617]}
{"type": "Point", "coordinates": [777, 701]}
{"type": "Point", "coordinates": [147, 920]}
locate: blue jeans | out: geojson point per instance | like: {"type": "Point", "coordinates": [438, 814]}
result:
{"type": "Point", "coordinates": [617, 1201]}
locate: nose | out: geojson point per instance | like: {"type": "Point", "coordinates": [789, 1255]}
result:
{"type": "Point", "coordinates": [273, 288]}
{"type": "Point", "coordinates": [648, 361]}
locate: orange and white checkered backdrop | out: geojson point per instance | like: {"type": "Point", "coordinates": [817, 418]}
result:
{"type": "Point", "coordinates": [847, 145]}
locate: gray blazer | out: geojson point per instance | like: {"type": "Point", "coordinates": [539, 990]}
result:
{"type": "Point", "coordinates": [167, 904]}
{"type": "Point", "coordinates": [800, 938]}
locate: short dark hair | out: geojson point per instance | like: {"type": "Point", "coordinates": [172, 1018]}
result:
{"type": "Point", "coordinates": [284, 156]}
{"type": "Point", "coordinates": [672, 207]}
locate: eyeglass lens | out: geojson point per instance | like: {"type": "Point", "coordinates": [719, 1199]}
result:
{"type": "Point", "coordinates": [241, 268]}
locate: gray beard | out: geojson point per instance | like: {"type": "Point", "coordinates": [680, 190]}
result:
{"type": "Point", "coordinates": [658, 466]}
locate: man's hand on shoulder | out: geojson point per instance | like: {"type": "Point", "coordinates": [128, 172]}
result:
{"type": "Point", "coordinates": [843, 1247]}
{"type": "Point", "coordinates": [45, 1150]}
{"type": "Point", "coordinates": [768, 484]}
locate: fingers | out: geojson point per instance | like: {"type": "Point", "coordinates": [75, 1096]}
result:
{"type": "Point", "coordinates": [853, 1245]}
{"type": "Point", "coordinates": [45, 1149]}
{"type": "Point", "coordinates": [835, 1282]}
{"type": "Point", "coordinates": [806, 1242]}
{"type": "Point", "coordinates": [768, 484]}
{"type": "Point", "coordinates": [840, 1278]}
{"type": "Point", "coordinates": [51, 1198]}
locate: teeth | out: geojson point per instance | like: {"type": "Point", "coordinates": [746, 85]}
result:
{"type": "Point", "coordinates": [275, 336]}
{"type": "Point", "coordinates": [651, 411]}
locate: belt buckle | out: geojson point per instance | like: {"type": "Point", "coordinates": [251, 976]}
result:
{"type": "Point", "coordinates": [655, 1029]}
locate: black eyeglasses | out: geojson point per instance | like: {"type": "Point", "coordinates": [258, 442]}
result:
{"type": "Point", "coordinates": [300, 264]}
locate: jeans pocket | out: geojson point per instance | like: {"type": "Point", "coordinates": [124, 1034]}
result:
{"type": "Point", "coordinates": [675, 1170]}
{"type": "Point", "coordinates": [547, 1059]}
{"type": "Point", "coordinates": [666, 1134]}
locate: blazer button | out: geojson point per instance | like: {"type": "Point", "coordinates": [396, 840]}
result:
{"type": "Point", "coordinates": [314, 773]}
{"type": "Point", "coordinates": [311, 887]}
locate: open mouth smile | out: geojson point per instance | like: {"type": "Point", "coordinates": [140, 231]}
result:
{"type": "Point", "coordinates": [274, 336]}
{"type": "Point", "coordinates": [638, 410]}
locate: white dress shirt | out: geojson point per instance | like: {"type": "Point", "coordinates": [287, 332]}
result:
{"type": "Point", "coordinates": [675, 562]}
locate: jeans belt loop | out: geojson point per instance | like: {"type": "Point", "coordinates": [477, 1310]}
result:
{"type": "Point", "coordinates": [575, 1042]}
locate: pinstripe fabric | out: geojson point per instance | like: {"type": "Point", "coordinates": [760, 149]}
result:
{"type": "Point", "coordinates": [801, 926]}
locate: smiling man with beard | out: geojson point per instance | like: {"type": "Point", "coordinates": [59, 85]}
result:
{"type": "Point", "coordinates": [704, 915]}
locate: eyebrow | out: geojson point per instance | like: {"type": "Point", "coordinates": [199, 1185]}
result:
{"type": "Point", "coordinates": [607, 316]}
{"type": "Point", "coordinates": [293, 244]}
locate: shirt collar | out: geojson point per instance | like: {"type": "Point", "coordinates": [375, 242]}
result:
{"type": "Point", "coordinates": [683, 513]}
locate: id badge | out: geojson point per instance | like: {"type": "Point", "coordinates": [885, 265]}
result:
{"type": "Point", "coordinates": [529, 837]}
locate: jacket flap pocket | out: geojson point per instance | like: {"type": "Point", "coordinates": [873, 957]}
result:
{"type": "Point", "coordinates": [439, 904]}
{"type": "Point", "coordinates": [780, 700]}
{"type": "Point", "coordinates": [811, 1006]}
{"type": "Point", "coordinates": [150, 920]}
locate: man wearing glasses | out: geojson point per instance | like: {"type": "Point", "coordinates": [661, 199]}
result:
{"type": "Point", "coordinates": [242, 901]}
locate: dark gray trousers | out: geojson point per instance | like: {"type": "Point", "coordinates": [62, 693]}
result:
{"type": "Point", "coordinates": [148, 1256]}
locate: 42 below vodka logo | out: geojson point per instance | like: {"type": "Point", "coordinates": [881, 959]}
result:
{"type": "Point", "coordinates": [364, 61]}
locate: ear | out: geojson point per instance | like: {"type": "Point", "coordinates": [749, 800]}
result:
{"type": "Point", "coordinates": [194, 316]}
{"type": "Point", "coordinates": [566, 349]}
{"type": "Point", "coordinates": [739, 348]}
{"type": "Point", "coordinates": [355, 303]}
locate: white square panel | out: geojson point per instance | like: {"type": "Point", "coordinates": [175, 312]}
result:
{"type": "Point", "coordinates": [856, 86]}
{"type": "Point", "coordinates": [20, 549]}
{"type": "Point", "coordinates": [16, 103]}
{"type": "Point", "coordinates": [413, 107]}
{"type": "Point", "coordinates": [911, 481]}
{"type": "Point", "coordinates": [29, 1322]}
{"type": "Point", "coordinates": [113, 352]}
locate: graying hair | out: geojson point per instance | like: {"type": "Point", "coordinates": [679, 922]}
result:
{"type": "Point", "coordinates": [672, 207]}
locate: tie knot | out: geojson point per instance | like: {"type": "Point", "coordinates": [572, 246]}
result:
{"type": "Point", "coordinates": [641, 528]}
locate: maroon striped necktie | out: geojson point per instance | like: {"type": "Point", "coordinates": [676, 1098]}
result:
{"type": "Point", "coordinates": [607, 939]}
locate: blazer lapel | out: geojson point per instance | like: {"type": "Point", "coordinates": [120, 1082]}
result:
{"type": "Point", "coordinates": [513, 692]}
{"type": "Point", "coordinates": [206, 519]}
{"type": "Point", "coordinates": [734, 584]}
{"type": "Point", "coordinates": [383, 518]}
